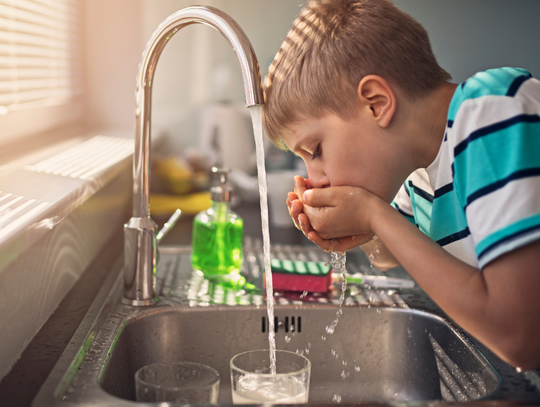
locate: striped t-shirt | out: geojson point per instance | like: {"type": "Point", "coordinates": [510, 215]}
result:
{"type": "Point", "coordinates": [480, 198]}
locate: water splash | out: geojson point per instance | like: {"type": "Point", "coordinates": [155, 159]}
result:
{"type": "Point", "coordinates": [256, 119]}
{"type": "Point", "coordinates": [374, 251]}
{"type": "Point", "coordinates": [337, 261]}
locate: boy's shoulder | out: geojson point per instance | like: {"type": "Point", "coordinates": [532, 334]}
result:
{"type": "Point", "coordinates": [493, 82]}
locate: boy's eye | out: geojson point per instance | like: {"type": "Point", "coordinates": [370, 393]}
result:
{"type": "Point", "coordinates": [317, 152]}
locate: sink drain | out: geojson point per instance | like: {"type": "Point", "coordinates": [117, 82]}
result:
{"type": "Point", "coordinates": [288, 324]}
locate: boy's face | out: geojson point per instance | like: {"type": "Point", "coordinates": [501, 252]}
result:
{"type": "Point", "coordinates": [355, 152]}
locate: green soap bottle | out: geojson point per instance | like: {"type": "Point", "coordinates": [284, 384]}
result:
{"type": "Point", "coordinates": [217, 237]}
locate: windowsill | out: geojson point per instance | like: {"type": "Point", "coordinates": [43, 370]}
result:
{"type": "Point", "coordinates": [40, 189]}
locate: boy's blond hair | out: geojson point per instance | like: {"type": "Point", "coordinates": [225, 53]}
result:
{"type": "Point", "coordinates": [331, 46]}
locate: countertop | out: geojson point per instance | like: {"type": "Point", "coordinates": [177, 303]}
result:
{"type": "Point", "coordinates": [23, 382]}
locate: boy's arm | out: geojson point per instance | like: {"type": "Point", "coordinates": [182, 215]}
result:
{"type": "Point", "coordinates": [500, 305]}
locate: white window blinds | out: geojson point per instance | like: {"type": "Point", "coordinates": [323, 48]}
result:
{"type": "Point", "coordinates": [39, 53]}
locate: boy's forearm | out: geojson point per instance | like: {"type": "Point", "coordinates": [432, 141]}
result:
{"type": "Point", "coordinates": [424, 259]}
{"type": "Point", "coordinates": [461, 290]}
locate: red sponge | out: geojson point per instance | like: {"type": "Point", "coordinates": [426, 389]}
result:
{"type": "Point", "coordinates": [310, 276]}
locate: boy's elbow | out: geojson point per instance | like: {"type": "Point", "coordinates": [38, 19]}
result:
{"type": "Point", "coordinates": [385, 265]}
{"type": "Point", "coordinates": [521, 350]}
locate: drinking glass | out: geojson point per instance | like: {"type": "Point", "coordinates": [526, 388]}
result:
{"type": "Point", "coordinates": [253, 383]}
{"type": "Point", "coordinates": [183, 382]}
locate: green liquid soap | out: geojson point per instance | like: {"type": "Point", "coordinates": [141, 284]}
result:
{"type": "Point", "coordinates": [217, 242]}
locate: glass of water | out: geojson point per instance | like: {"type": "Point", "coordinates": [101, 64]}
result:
{"type": "Point", "coordinates": [253, 383]}
{"type": "Point", "coordinates": [181, 382]}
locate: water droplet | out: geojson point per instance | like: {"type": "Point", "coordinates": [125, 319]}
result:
{"type": "Point", "coordinates": [344, 374]}
{"type": "Point", "coordinates": [344, 363]}
{"type": "Point", "coordinates": [323, 338]}
{"type": "Point", "coordinates": [336, 399]}
{"type": "Point", "coordinates": [330, 329]}
{"type": "Point", "coordinates": [357, 368]}
{"type": "Point", "coordinates": [287, 338]}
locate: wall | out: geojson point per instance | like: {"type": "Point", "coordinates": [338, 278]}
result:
{"type": "Point", "coordinates": [113, 45]}
{"type": "Point", "coordinates": [467, 36]}
{"type": "Point", "coordinates": [472, 35]}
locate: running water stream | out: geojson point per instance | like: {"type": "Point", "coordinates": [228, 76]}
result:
{"type": "Point", "coordinates": [338, 259]}
{"type": "Point", "coordinates": [256, 118]}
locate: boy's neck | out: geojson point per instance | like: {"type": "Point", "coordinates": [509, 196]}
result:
{"type": "Point", "coordinates": [427, 123]}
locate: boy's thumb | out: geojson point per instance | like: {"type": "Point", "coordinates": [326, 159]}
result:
{"type": "Point", "coordinates": [318, 197]}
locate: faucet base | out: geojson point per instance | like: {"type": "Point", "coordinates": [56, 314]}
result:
{"type": "Point", "coordinates": [138, 303]}
{"type": "Point", "coordinates": [139, 261]}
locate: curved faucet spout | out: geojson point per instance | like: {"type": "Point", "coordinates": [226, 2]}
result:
{"type": "Point", "coordinates": [140, 231]}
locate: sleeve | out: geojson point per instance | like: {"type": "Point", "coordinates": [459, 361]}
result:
{"type": "Point", "coordinates": [402, 202]}
{"type": "Point", "coordinates": [497, 170]}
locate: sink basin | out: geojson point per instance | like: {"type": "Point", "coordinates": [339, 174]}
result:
{"type": "Point", "coordinates": [375, 354]}
{"type": "Point", "coordinates": [385, 349]}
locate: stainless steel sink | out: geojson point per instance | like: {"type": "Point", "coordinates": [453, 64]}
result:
{"type": "Point", "coordinates": [382, 351]}
{"type": "Point", "coordinates": [375, 354]}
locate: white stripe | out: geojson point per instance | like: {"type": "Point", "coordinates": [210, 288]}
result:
{"type": "Point", "coordinates": [477, 113]}
{"type": "Point", "coordinates": [515, 201]}
{"type": "Point", "coordinates": [528, 93]}
{"type": "Point", "coordinates": [440, 170]}
{"type": "Point", "coordinates": [509, 246]}
{"type": "Point", "coordinates": [464, 250]}
{"type": "Point", "coordinates": [403, 200]}
{"type": "Point", "coordinates": [420, 179]}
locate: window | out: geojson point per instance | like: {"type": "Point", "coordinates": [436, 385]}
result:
{"type": "Point", "coordinates": [40, 65]}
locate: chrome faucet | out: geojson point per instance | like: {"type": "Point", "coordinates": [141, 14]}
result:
{"type": "Point", "coordinates": [140, 241]}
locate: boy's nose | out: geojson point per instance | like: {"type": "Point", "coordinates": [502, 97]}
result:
{"type": "Point", "coordinates": [317, 179]}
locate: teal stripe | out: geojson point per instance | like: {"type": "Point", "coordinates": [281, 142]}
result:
{"type": "Point", "coordinates": [507, 232]}
{"type": "Point", "coordinates": [493, 82]}
{"type": "Point", "coordinates": [422, 212]}
{"type": "Point", "coordinates": [496, 156]}
{"type": "Point", "coordinates": [449, 215]}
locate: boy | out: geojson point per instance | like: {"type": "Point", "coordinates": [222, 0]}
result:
{"type": "Point", "coordinates": [444, 178]}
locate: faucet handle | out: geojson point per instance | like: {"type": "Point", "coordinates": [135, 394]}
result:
{"type": "Point", "coordinates": [168, 225]}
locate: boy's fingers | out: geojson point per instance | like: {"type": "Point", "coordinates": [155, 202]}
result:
{"type": "Point", "coordinates": [299, 185]}
{"type": "Point", "coordinates": [295, 208]}
{"type": "Point", "coordinates": [319, 197]}
{"type": "Point", "coordinates": [291, 196]}
{"type": "Point", "coordinates": [305, 226]}
{"type": "Point", "coordinates": [331, 245]}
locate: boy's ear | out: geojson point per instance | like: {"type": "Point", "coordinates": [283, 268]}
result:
{"type": "Point", "coordinates": [376, 94]}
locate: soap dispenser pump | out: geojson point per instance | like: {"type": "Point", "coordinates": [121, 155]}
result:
{"type": "Point", "coordinates": [217, 236]}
